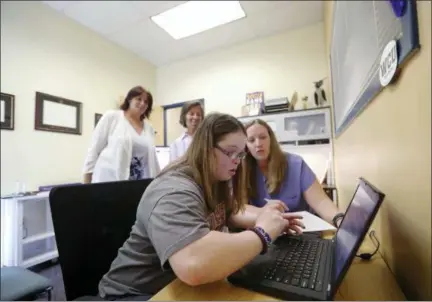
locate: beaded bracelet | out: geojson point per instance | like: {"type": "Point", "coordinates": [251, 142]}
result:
{"type": "Point", "coordinates": [264, 236]}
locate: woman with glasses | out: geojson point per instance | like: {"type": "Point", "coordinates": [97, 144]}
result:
{"type": "Point", "coordinates": [283, 177]}
{"type": "Point", "coordinates": [183, 214]}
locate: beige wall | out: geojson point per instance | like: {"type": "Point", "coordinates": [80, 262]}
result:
{"type": "Point", "coordinates": [157, 120]}
{"type": "Point", "coordinates": [277, 65]}
{"type": "Point", "coordinates": [41, 50]}
{"type": "Point", "coordinates": [390, 145]}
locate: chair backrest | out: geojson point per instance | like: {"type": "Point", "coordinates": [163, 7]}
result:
{"type": "Point", "coordinates": [91, 222]}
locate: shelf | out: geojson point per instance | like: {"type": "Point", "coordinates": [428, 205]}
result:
{"type": "Point", "coordinates": [37, 246]}
{"type": "Point", "coordinates": [285, 112]}
{"type": "Point", "coordinates": [40, 259]}
{"type": "Point", "coordinates": [30, 237]}
{"type": "Point", "coordinates": [38, 237]}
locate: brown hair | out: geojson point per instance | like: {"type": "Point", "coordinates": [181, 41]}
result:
{"type": "Point", "coordinates": [277, 164]}
{"type": "Point", "coordinates": [186, 108]}
{"type": "Point", "coordinates": [134, 92]}
{"type": "Point", "coordinates": [198, 162]}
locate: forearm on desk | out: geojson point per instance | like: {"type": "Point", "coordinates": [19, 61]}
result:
{"type": "Point", "coordinates": [216, 256]}
{"type": "Point", "coordinates": [320, 202]}
{"type": "Point", "coordinates": [326, 209]}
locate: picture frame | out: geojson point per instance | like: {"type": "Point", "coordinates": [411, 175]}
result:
{"type": "Point", "coordinates": [97, 117]}
{"type": "Point", "coordinates": [253, 103]}
{"type": "Point", "coordinates": [57, 114]}
{"type": "Point", "coordinates": [7, 111]}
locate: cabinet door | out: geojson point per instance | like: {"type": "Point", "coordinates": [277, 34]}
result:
{"type": "Point", "coordinates": [304, 126]}
{"type": "Point", "coordinates": [36, 219]}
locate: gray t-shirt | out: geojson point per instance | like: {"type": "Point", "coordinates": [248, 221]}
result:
{"type": "Point", "coordinates": [172, 214]}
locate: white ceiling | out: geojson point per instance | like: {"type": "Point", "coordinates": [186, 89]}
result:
{"type": "Point", "coordinates": [128, 24]}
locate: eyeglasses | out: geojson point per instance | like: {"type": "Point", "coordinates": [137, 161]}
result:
{"type": "Point", "coordinates": [232, 155]}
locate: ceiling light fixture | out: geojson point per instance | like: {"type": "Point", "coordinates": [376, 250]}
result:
{"type": "Point", "coordinates": [193, 17]}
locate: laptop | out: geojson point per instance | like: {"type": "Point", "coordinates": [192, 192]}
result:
{"type": "Point", "coordinates": [308, 267]}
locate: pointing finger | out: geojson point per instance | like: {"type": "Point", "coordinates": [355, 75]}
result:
{"type": "Point", "coordinates": [297, 223]}
{"type": "Point", "coordinates": [292, 216]}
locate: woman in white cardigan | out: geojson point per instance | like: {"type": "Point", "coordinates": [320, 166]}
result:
{"type": "Point", "coordinates": [191, 115]}
{"type": "Point", "coordinates": [122, 146]}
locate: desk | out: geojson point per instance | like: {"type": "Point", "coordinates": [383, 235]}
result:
{"type": "Point", "coordinates": [370, 280]}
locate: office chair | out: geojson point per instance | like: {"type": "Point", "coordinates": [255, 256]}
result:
{"type": "Point", "coordinates": [91, 222]}
{"type": "Point", "coordinates": [21, 284]}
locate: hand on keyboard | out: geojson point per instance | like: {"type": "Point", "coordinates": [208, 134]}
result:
{"type": "Point", "coordinates": [294, 223]}
{"type": "Point", "coordinates": [272, 221]}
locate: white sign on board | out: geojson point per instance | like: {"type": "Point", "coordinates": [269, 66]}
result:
{"type": "Point", "coordinates": [388, 63]}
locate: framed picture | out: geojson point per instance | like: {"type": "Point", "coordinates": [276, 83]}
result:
{"type": "Point", "coordinates": [57, 114]}
{"type": "Point", "coordinates": [253, 104]}
{"type": "Point", "coordinates": [97, 118]}
{"type": "Point", "coordinates": [7, 111]}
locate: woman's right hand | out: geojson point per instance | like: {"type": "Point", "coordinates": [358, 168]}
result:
{"type": "Point", "coordinates": [271, 220]}
{"type": "Point", "coordinates": [279, 203]}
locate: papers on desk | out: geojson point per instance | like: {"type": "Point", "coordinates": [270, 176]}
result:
{"type": "Point", "coordinates": [313, 223]}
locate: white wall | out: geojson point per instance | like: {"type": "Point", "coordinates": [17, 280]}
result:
{"type": "Point", "coordinates": [43, 51]}
{"type": "Point", "coordinates": [277, 65]}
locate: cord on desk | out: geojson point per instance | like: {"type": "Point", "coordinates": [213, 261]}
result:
{"type": "Point", "coordinates": [375, 241]}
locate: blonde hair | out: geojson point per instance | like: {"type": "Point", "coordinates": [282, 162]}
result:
{"type": "Point", "coordinates": [199, 163]}
{"type": "Point", "coordinates": [277, 164]}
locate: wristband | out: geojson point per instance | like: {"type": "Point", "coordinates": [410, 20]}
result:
{"type": "Point", "coordinates": [336, 218]}
{"type": "Point", "coordinates": [264, 237]}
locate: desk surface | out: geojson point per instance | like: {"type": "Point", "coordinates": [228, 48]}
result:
{"type": "Point", "coordinates": [371, 280]}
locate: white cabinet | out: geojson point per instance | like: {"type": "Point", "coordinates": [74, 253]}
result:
{"type": "Point", "coordinates": [27, 231]}
{"type": "Point", "coordinates": [297, 127]}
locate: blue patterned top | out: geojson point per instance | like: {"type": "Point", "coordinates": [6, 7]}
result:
{"type": "Point", "coordinates": [136, 169]}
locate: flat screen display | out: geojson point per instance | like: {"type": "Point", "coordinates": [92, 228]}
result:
{"type": "Point", "coordinates": [354, 224]}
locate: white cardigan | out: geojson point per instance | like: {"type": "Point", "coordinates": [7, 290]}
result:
{"type": "Point", "coordinates": [110, 153]}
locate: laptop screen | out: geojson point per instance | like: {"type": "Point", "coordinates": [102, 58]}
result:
{"type": "Point", "coordinates": [354, 226]}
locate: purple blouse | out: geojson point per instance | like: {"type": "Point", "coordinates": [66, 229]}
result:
{"type": "Point", "coordinates": [298, 179]}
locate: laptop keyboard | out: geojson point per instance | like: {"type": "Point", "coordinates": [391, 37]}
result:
{"type": "Point", "coordinates": [297, 263]}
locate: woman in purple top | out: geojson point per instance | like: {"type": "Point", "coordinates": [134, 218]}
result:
{"type": "Point", "coordinates": [273, 174]}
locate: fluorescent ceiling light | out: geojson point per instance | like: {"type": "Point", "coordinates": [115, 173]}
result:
{"type": "Point", "coordinates": [193, 17]}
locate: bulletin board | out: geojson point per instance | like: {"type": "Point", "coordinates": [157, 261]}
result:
{"type": "Point", "coordinates": [361, 31]}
